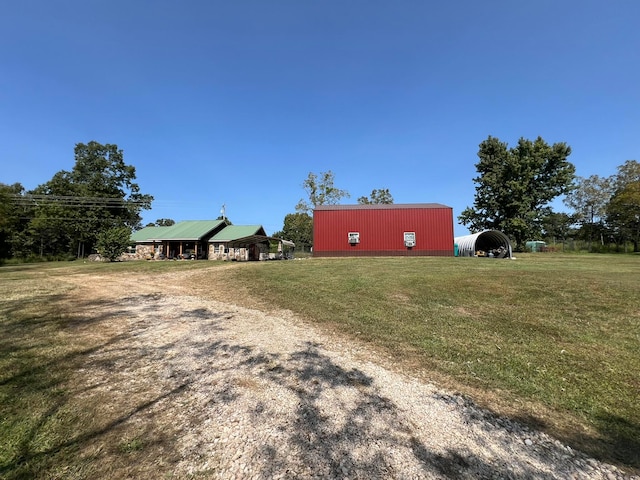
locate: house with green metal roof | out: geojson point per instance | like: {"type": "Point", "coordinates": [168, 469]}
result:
{"type": "Point", "coordinates": [206, 239]}
{"type": "Point", "coordinates": [236, 232]}
{"type": "Point", "coordinates": [248, 242]}
{"type": "Point", "coordinates": [147, 234]}
{"type": "Point", "coordinates": [239, 242]}
{"type": "Point", "coordinates": [187, 239]}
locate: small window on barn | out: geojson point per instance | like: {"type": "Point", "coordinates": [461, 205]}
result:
{"type": "Point", "coordinates": [354, 237]}
{"type": "Point", "coordinates": [409, 239]}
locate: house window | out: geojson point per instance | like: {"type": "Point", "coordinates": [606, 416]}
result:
{"type": "Point", "coordinates": [409, 239]}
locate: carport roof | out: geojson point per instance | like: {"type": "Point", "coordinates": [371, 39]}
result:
{"type": "Point", "coordinates": [253, 239]}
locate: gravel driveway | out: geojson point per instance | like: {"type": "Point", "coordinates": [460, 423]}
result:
{"type": "Point", "coordinates": [228, 392]}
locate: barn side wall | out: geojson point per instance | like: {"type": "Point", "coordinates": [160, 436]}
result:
{"type": "Point", "coordinates": [381, 232]}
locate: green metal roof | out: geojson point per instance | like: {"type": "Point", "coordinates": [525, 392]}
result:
{"type": "Point", "coordinates": [148, 234]}
{"type": "Point", "coordinates": [234, 232]}
{"type": "Point", "coordinates": [191, 229]}
{"type": "Point", "coordinates": [187, 230]}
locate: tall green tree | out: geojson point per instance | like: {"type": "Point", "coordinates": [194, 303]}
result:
{"type": "Point", "coordinates": [298, 227]}
{"type": "Point", "coordinates": [623, 213]}
{"type": "Point", "coordinates": [589, 199]}
{"type": "Point", "coordinates": [320, 191]}
{"type": "Point", "coordinates": [623, 209]}
{"type": "Point", "coordinates": [14, 221]}
{"type": "Point", "coordinates": [377, 197]}
{"type": "Point", "coordinates": [515, 186]}
{"type": "Point", "coordinates": [99, 193]}
{"type": "Point", "coordinates": [628, 172]}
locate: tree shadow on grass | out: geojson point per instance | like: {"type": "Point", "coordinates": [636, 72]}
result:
{"type": "Point", "coordinates": [326, 444]}
{"type": "Point", "coordinates": [29, 454]}
{"type": "Point", "coordinates": [620, 442]}
{"type": "Point", "coordinates": [44, 423]}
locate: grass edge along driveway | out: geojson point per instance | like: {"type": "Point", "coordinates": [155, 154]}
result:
{"type": "Point", "coordinates": [549, 339]}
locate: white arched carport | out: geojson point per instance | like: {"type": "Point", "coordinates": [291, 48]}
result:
{"type": "Point", "coordinates": [490, 241]}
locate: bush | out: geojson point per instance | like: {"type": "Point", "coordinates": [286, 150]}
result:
{"type": "Point", "coordinates": [113, 242]}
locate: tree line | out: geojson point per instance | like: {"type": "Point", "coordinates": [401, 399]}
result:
{"type": "Point", "coordinates": [515, 187]}
{"type": "Point", "coordinates": [97, 204]}
{"type": "Point", "coordinates": [514, 191]}
{"type": "Point", "coordinates": [606, 210]}
{"type": "Point", "coordinates": [321, 190]}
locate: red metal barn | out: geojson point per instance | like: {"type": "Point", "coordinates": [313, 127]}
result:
{"type": "Point", "coordinates": [383, 230]}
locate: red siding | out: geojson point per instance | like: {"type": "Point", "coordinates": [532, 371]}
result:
{"type": "Point", "coordinates": [382, 230]}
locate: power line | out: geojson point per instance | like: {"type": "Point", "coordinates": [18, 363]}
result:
{"type": "Point", "coordinates": [74, 219]}
{"type": "Point", "coordinates": [74, 201]}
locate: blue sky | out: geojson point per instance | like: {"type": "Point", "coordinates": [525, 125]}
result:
{"type": "Point", "coordinates": [219, 102]}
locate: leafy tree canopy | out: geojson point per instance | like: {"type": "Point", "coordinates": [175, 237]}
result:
{"type": "Point", "coordinates": [377, 197]}
{"type": "Point", "coordinates": [515, 186]}
{"type": "Point", "coordinates": [623, 209]}
{"type": "Point", "coordinates": [628, 172]}
{"type": "Point", "coordinates": [99, 193]}
{"type": "Point", "coordinates": [298, 227]}
{"type": "Point", "coordinates": [589, 198]}
{"type": "Point", "coordinates": [164, 222]}
{"type": "Point", "coordinates": [8, 205]}
{"type": "Point", "coordinates": [112, 242]}
{"type": "Point", "coordinates": [557, 225]}
{"type": "Point", "coordinates": [13, 219]}
{"type": "Point", "coordinates": [320, 191]}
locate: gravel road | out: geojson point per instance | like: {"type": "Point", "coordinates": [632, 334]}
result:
{"type": "Point", "coordinates": [242, 394]}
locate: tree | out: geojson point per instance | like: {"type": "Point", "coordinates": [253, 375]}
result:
{"type": "Point", "coordinates": [377, 197]}
{"type": "Point", "coordinates": [557, 226]}
{"type": "Point", "coordinates": [13, 220]}
{"type": "Point", "coordinates": [99, 193]}
{"type": "Point", "coordinates": [628, 172]}
{"type": "Point", "coordinates": [164, 222]}
{"type": "Point", "coordinates": [298, 227]}
{"type": "Point", "coordinates": [515, 186]}
{"type": "Point", "coordinates": [623, 209]}
{"type": "Point", "coordinates": [589, 200]}
{"type": "Point", "coordinates": [623, 213]}
{"type": "Point", "coordinates": [320, 191]}
{"type": "Point", "coordinates": [112, 242]}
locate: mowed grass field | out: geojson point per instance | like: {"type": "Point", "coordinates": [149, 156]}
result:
{"type": "Point", "coordinates": [550, 339]}
{"type": "Point", "coordinates": [553, 340]}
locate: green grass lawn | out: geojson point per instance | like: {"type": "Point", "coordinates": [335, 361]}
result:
{"type": "Point", "coordinates": [551, 339]}
{"type": "Point", "coordinates": [556, 336]}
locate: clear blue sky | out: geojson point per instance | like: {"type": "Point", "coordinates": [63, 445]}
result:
{"type": "Point", "coordinates": [235, 102]}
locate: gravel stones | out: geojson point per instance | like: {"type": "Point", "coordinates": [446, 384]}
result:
{"type": "Point", "coordinates": [265, 396]}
